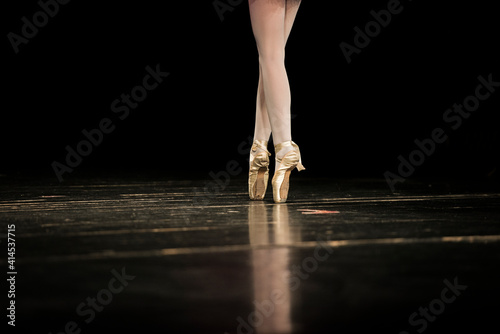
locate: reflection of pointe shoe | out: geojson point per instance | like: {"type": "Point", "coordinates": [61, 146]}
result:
{"type": "Point", "coordinates": [284, 167]}
{"type": "Point", "coordinates": [259, 170]}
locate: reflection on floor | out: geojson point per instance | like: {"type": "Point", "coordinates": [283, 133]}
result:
{"type": "Point", "coordinates": [272, 302]}
{"type": "Point", "coordinates": [344, 256]}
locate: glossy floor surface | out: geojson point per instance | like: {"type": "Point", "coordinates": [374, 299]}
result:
{"type": "Point", "coordinates": [173, 255]}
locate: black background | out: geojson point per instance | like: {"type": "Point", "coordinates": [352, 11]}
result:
{"type": "Point", "coordinates": [349, 119]}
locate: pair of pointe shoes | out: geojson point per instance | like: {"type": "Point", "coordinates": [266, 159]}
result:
{"type": "Point", "coordinates": [259, 169]}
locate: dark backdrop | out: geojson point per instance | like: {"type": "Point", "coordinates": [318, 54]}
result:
{"type": "Point", "coordinates": [349, 119]}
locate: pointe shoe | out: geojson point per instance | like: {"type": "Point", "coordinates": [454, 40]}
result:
{"type": "Point", "coordinates": [259, 170]}
{"type": "Point", "coordinates": [284, 166]}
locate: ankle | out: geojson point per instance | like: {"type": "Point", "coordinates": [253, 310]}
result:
{"type": "Point", "coordinates": [259, 146]}
{"type": "Point", "coordinates": [283, 148]}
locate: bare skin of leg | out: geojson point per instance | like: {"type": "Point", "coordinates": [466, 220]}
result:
{"type": "Point", "coordinates": [272, 22]}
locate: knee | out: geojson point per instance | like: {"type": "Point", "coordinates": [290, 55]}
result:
{"type": "Point", "coordinates": [272, 59]}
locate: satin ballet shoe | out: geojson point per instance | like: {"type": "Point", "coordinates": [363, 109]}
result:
{"type": "Point", "coordinates": [258, 175]}
{"type": "Point", "coordinates": [284, 166]}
